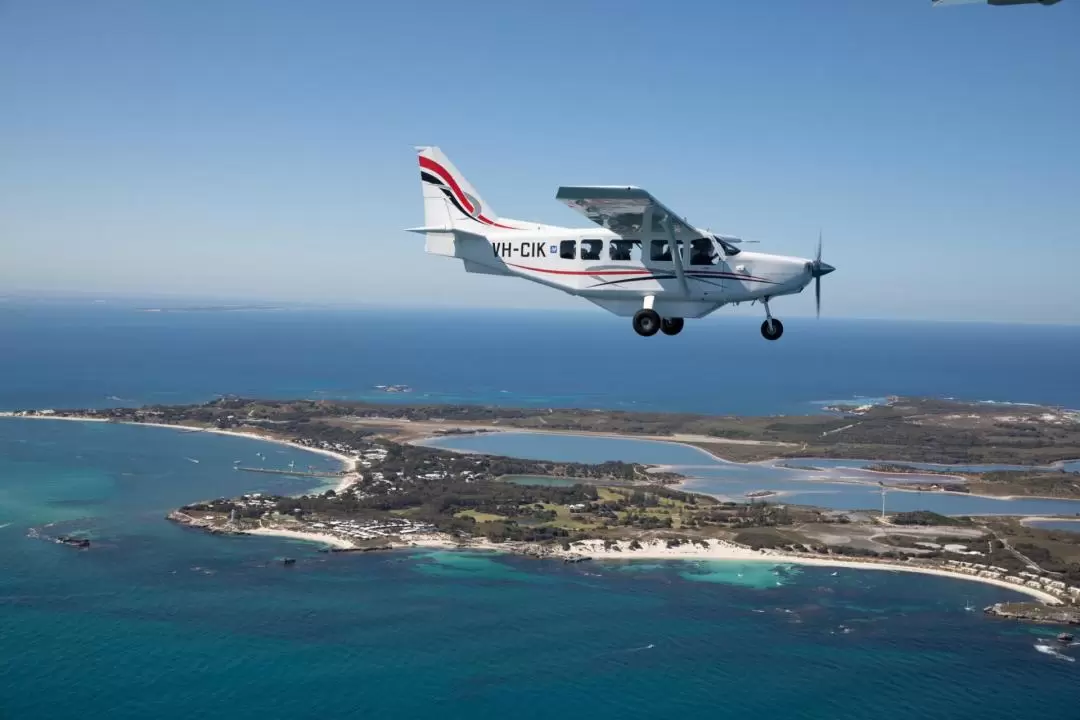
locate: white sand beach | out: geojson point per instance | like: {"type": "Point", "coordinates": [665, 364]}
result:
{"type": "Point", "coordinates": [721, 550]}
{"type": "Point", "coordinates": [314, 537]}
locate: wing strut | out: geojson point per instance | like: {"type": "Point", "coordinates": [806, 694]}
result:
{"type": "Point", "coordinates": [676, 254]}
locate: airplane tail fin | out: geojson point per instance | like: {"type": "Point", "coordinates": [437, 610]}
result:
{"type": "Point", "coordinates": [450, 201]}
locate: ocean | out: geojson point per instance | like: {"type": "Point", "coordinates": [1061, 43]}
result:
{"type": "Point", "coordinates": [157, 620]}
{"type": "Point", "coordinates": [106, 355]}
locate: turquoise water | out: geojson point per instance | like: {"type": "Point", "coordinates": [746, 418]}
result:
{"type": "Point", "coordinates": [838, 484]}
{"type": "Point", "coordinates": [158, 621]}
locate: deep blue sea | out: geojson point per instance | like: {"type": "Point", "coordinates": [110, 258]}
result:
{"type": "Point", "coordinates": [105, 355]}
{"type": "Point", "coordinates": [157, 621]}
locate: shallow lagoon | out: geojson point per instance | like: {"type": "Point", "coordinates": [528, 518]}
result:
{"type": "Point", "coordinates": [836, 484]}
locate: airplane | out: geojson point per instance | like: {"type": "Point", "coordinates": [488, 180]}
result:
{"type": "Point", "coordinates": [935, 3]}
{"type": "Point", "coordinates": [625, 264]}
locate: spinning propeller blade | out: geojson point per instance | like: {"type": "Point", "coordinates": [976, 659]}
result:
{"type": "Point", "coordinates": [818, 269]}
{"type": "Point", "coordinates": [817, 276]}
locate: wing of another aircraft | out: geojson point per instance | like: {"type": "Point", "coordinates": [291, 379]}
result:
{"type": "Point", "coordinates": [935, 3]}
{"type": "Point", "coordinates": [629, 211]}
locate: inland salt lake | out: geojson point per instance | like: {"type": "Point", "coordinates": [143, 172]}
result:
{"type": "Point", "coordinates": [159, 621]}
{"type": "Point", "coordinates": [834, 484]}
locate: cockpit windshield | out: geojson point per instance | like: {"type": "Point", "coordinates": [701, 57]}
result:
{"type": "Point", "coordinates": [729, 249]}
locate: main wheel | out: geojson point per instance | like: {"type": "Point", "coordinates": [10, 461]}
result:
{"type": "Point", "coordinates": [774, 332]}
{"type": "Point", "coordinates": [646, 322]}
{"type": "Point", "coordinates": [671, 326]}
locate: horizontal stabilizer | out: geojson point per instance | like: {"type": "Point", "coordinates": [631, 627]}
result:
{"type": "Point", "coordinates": [422, 230]}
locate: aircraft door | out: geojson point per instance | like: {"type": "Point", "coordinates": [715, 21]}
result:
{"type": "Point", "coordinates": [706, 268]}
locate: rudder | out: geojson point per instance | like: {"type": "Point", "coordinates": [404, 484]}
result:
{"type": "Point", "coordinates": [450, 201]}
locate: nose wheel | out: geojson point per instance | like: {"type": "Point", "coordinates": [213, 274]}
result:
{"type": "Point", "coordinates": [772, 328]}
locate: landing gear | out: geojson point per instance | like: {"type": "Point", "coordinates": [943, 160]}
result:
{"type": "Point", "coordinates": [646, 322]}
{"type": "Point", "coordinates": [671, 326]}
{"type": "Point", "coordinates": [774, 332]}
{"type": "Point", "coordinates": [772, 328]}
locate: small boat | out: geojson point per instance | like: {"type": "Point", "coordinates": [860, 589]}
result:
{"type": "Point", "coordinates": [1065, 638]}
{"type": "Point", "coordinates": [288, 561]}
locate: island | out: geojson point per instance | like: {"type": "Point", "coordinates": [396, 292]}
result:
{"type": "Point", "coordinates": [394, 491]}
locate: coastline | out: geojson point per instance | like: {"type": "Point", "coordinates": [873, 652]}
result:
{"type": "Point", "coordinates": [722, 551]}
{"type": "Point", "coordinates": [716, 550]}
{"type": "Point", "coordinates": [321, 538]}
{"type": "Point", "coordinates": [348, 463]}
{"type": "Point", "coordinates": [594, 550]}
{"type": "Point", "coordinates": [719, 551]}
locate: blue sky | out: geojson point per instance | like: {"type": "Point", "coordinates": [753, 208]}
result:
{"type": "Point", "coordinates": [263, 149]}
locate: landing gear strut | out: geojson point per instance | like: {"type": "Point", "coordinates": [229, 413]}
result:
{"type": "Point", "coordinates": [671, 326]}
{"type": "Point", "coordinates": [647, 322]}
{"type": "Point", "coordinates": [772, 328]}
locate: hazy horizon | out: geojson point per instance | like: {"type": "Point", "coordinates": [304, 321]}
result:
{"type": "Point", "coordinates": [264, 149]}
{"type": "Point", "coordinates": [177, 302]}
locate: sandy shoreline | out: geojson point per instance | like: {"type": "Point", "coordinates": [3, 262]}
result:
{"type": "Point", "coordinates": [717, 551]}
{"type": "Point", "coordinates": [322, 538]}
{"type": "Point", "coordinates": [594, 549]}
{"type": "Point", "coordinates": [722, 551]}
{"type": "Point", "coordinates": [348, 463]}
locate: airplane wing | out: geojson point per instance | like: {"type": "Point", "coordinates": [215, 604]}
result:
{"type": "Point", "coordinates": [935, 3]}
{"type": "Point", "coordinates": [629, 211]}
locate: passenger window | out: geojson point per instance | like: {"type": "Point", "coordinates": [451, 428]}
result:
{"type": "Point", "coordinates": [621, 250]}
{"type": "Point", "coordinates": [702, 252]}
{"type": "Point", "coordinates": [568, 249]}
{"type": "Point", "coordinates": [590, 249]}
{"type": "Point", "coordinates": [661, 250]}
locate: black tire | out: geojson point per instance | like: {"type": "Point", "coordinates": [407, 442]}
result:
{"type": "Point", "coordinates": [775, 333]}
{"type": "Point", "coordinates": [671, 326]}
{"type": "Point", "coordinates": [646, 322]}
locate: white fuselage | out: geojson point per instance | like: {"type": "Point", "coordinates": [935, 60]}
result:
{"type": "Point", "coordinates": [601, 266]}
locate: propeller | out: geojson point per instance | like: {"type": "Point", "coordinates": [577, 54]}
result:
{"type": "Point", "coordinates": [817, 270]}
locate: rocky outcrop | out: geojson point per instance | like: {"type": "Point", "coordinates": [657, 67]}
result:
{"type": "Point", "coordinates": [205, 525]}
{"type": "Point", "coordinates": [1034, 612]}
